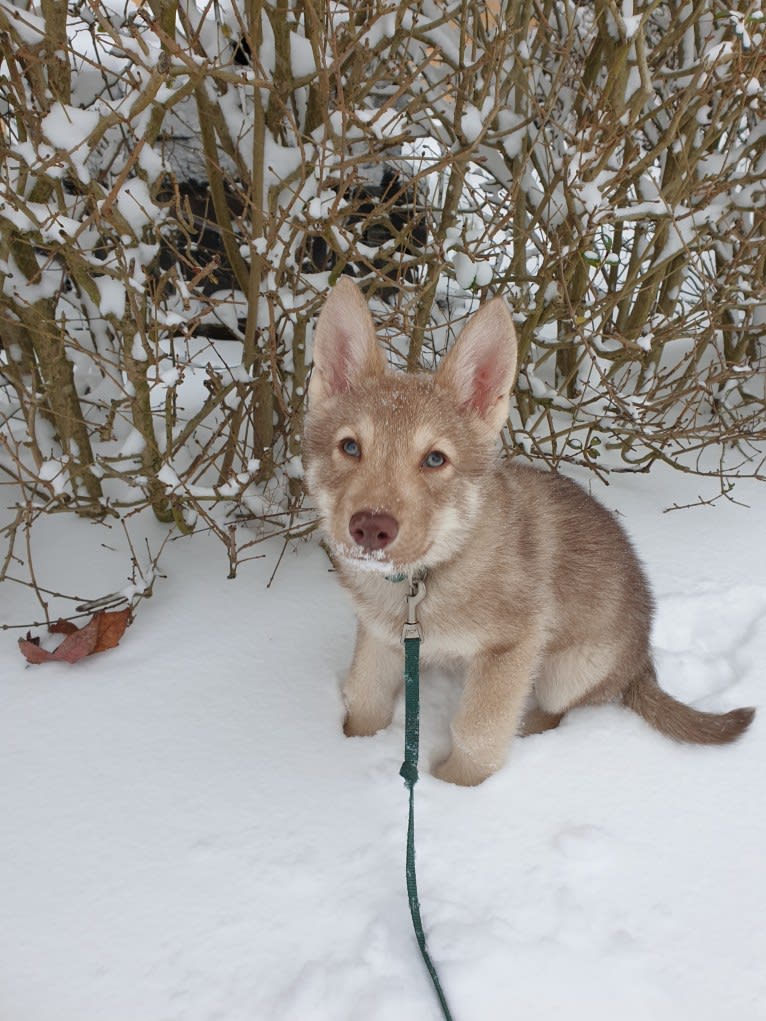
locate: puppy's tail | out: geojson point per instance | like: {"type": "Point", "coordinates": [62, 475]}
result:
{"type": "Point", "coordinates": [679, 721]}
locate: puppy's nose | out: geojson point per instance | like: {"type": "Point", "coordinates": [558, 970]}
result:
{"type": "Point", "coordinates": [373, 531]}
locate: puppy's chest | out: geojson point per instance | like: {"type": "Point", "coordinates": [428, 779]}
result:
{"type": "Point", "coordinates": [446, 632]}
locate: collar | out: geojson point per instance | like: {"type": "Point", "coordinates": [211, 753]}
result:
{"type": "Point", "coordinates": [413, 575]}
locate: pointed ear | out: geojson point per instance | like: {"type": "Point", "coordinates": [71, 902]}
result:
{"type": "Point", "coordinates": [346, 349]}
{"type": "Point", "coordinates": [481, 367]}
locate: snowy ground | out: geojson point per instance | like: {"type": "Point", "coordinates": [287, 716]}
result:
{"type": "Point", "coordinates": [187, 836]}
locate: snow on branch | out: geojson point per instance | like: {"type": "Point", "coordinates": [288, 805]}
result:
{"type": "Point", "coordinates": [180, 183]}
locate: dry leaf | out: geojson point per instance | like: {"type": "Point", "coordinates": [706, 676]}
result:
{"type": "Point", "coordinates": [31, 649]}
{"type": "Point", "coordinates": [62, 627]}
{"type": "Point", "coordinates": [103, 631]}
{"type": "Point", "coordinates": [79, 644]}
{"type": "Point", "coordinates": [111, 628]}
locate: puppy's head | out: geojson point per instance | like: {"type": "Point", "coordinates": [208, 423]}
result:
{"type": "Point", "coordinates": [395, 461]}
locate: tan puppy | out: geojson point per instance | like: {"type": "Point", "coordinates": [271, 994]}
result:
{"type": "Point", "coordinates": [531, 583]}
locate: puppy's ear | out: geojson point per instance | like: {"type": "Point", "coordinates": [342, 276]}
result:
{"type": "Point", "coordinates": [481, 368]}
{"type": "Point", "coordinates": [346, 349]}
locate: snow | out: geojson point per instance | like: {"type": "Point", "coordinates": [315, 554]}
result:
{"type": "Point", "coordinates": [302, 60]}
{"type": "Point", "coordinates": [471, 123]}
{"type": "Point", "coordinates": [168, 477]}
{"type": "Point", "coordinates": [133, 444]}
{"type": "Point", "coordinates": [280, 160]}
{"type": "Point", "coordinates": [718, 53]}
{"type": "Point", "coordinates": [135, 204]}
{"type": "Point", "coordinates": [465, 271]}
{"type": "Point", "coordinates": [67, 128]}
{"type": "Point", "coordinates": [54, 471]}
{"type": "Point", "coordinates": [170, 376]}
{"type": "Point", "coordinates": [112, 299]}
{"type": "Point", "coordinates": [188, 835]}
{"type": "Point", "coordinates": [137, 349]}
{"type": "Point", "coordinates": [513, 132]}
{"type": "Point", "coordinates": [29, 27]}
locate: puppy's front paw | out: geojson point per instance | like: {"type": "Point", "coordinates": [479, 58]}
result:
{"type": "Point", "coordinates": [461, 770]}
{"type": "Point", "coordinates": [360, 725]}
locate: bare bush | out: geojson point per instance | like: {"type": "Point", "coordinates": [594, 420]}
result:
{"type": "Point", "coordinates": [179, 184]}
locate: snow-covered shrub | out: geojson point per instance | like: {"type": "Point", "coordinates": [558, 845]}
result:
{"type": "Point", "coordinates": [180, 182]}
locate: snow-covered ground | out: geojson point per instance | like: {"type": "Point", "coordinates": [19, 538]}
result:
{"type": "Point", "coordinates": [186, 834]}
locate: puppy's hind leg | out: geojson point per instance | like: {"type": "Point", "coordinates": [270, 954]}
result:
{"type": "Point", "coordinates": [537, 721]}
{"type": "Point", "coordinates": [576, 675]}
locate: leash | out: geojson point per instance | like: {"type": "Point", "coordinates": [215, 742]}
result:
{"type": "Point", "coordinates": [412, 636]}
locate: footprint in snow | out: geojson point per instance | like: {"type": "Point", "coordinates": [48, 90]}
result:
{"type": "Point", "coordinates": [705, 641]}
{"type": "Point", "coordinates": [583, 845]}
{"type": "Point", "coordinates": [713, 620]}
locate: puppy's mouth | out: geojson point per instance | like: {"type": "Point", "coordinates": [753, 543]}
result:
{"type": "Point", "coordinates": [377, 561]}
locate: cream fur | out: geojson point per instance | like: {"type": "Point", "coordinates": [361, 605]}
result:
{"type": "Point", "coordinates": [532, 584]}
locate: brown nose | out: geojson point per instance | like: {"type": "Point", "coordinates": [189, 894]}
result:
{"type": "Point", "coordinates": [373, 531]}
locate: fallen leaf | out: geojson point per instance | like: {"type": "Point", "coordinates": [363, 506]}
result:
{"type": "Point", "coordinates": [79, 644]}
{"type": "Point", "coordinates": [111, 628]}
{"type": "Point", "coordinates": [103, 631]}
{"type": "Point", "coordinates": [32, 651]}
{"type": "Point", "coordinates": [62, 627]}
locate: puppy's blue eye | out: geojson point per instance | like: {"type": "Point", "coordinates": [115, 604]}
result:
{"type": "Point", "coordinates": [351, 447]}
{"type": "Point", "coordinates": [435, 459]}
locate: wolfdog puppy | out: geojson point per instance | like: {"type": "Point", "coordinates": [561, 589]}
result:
{"type": "Point", "coordinates": [531, 583]}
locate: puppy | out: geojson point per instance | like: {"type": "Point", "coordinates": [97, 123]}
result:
{"type": "Point", "coordinates": [531, 583]}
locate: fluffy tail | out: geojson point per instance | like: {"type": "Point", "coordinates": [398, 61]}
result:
{"type": "Point", "coordinates": [679, 721]}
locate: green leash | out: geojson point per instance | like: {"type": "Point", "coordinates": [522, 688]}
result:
{"type": "Point", "coordinates": [409, 771]}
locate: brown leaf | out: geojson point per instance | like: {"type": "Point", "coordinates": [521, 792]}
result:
{"type": "Point", "coordinates": [31, 650]}
{"type": "Point", "coordinates": [111, 628]}
{"type": "Point", "coordinates": [62, 627]}
{"type": "Point", "coordinates": [103, 631]}
{"type": "Point", "coordinates": [79, 644]}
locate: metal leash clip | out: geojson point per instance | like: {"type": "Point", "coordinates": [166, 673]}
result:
{"type": "Point", "coordinates": [416, 595]}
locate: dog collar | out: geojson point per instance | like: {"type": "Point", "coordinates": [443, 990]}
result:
{"type": "Point", "coordinates": [417, 575]}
